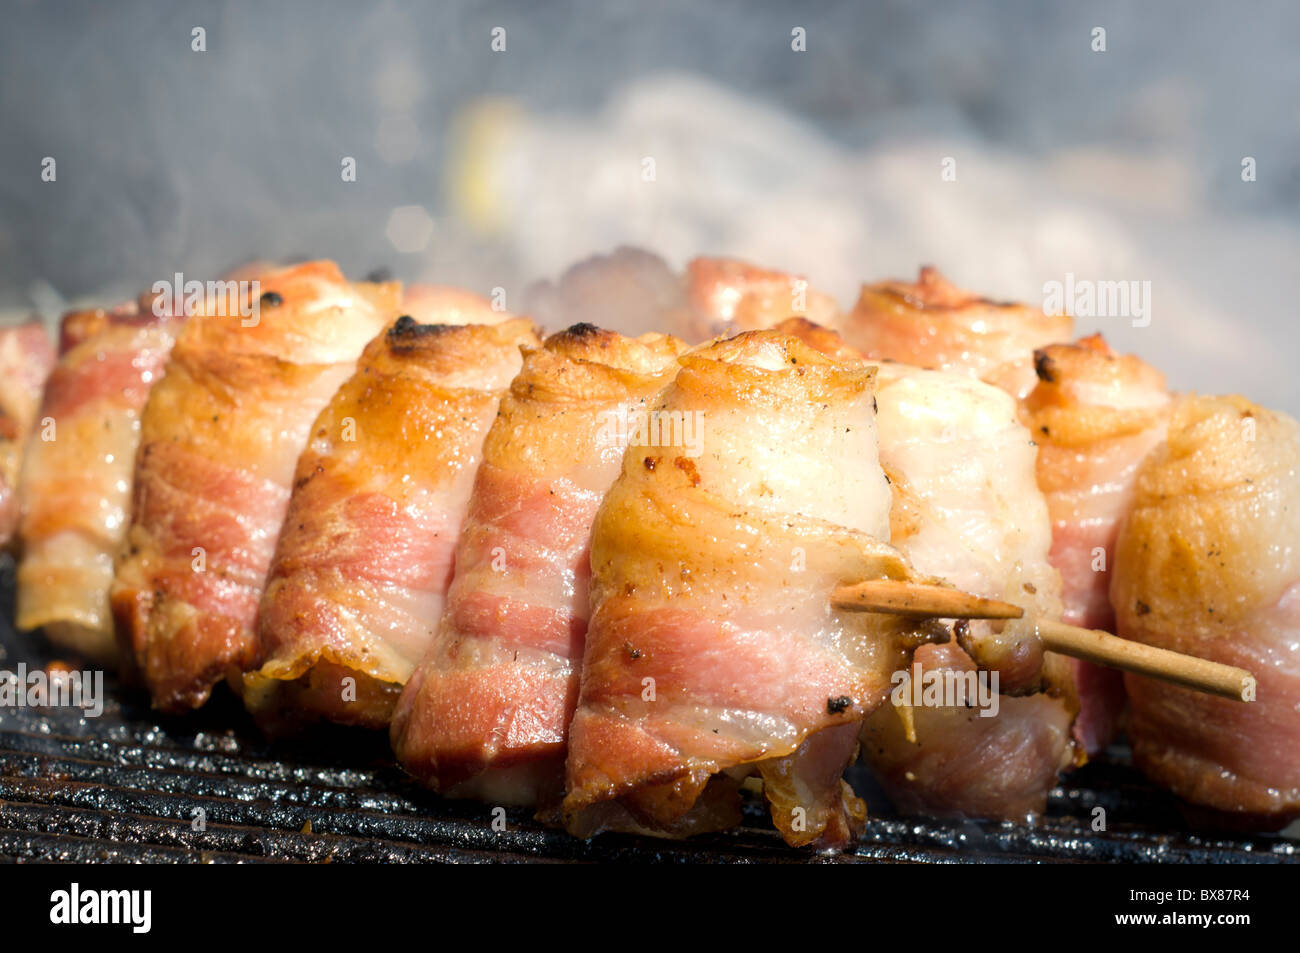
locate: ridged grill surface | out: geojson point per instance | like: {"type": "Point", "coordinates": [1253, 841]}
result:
{"type": "Point", "coordinates": [128, 786]}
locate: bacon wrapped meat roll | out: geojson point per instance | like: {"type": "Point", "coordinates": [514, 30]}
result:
{"type": "Point", "coordinates": [713, 650]}
{"type": "Point", "coordinates": [967, 508]}
{"type": "Point", "coordinates": [76, 479]}
{"type": "Point", "coordinates": [220, 439]}
{"type": "Point", "coordinates": [487, 713]}
{"type": "Point", "coordinates": [356, 588]}
{"type": "Point", "coordinates": [1095, 415]}
{"type": "Point", "coordinates": [1208, 562]}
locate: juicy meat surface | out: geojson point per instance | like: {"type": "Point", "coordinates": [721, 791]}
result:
{"type": "Point", "coordinates": [951, 761]}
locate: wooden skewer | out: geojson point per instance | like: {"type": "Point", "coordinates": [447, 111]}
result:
{"type": "Point", "coordinates": [921, 600]}
{"type": "Point", "coordinates": [927, 601]}
{"type": "Point", "coordinates": [1094, 645]}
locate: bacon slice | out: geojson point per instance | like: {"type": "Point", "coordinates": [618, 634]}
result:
{"type": "Point", "coordinates": [364, 559]}
{"type": "Point", "coordinates": [487, 713]}
{"type": "Point", "coordinates": [712, 649]}
{"type": "Point", "coordinates": [220, 438]}
{"type": "Point", "coordinates": [26, 357]}
{"type": "Point", "coordinates": [636, 292]}
{"type": "Point", "coordinates": [1095, 415]}
{"type": "Point", "coordinates": [76, 479]}
{"type": "Point", "coordinates": [1207, 563]}
{"type": "Point", "coordinates": [934, 324]}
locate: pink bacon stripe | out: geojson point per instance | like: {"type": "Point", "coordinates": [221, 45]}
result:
{"type": "Point", "coordinates": [523, 644]}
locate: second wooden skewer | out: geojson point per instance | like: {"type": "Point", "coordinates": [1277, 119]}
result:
{"type": "Point", "coordinates": [921, 600]}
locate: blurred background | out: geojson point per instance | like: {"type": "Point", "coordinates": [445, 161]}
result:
{"type": "Point", "coordinates": [496, 167]}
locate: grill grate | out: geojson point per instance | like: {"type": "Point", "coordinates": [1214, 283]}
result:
{"type": "Point", "coordinates": [127, 787]}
